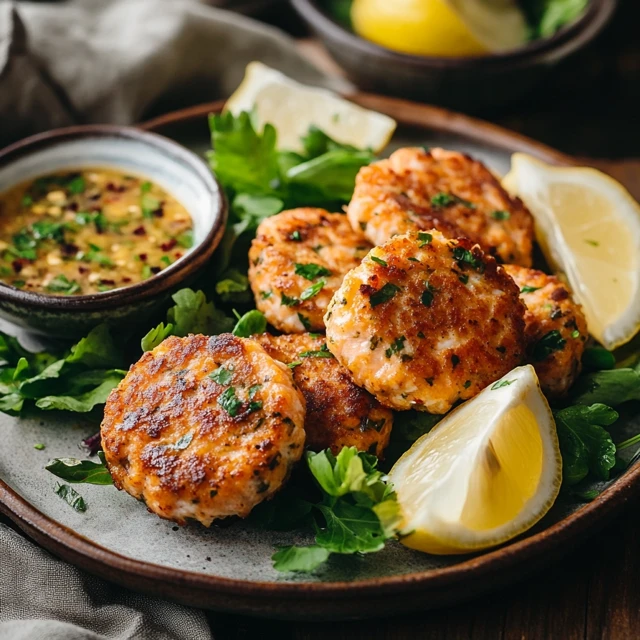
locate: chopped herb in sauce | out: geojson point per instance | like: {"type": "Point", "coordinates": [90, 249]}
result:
{"type": "Point", "coordinates": [79, 232]}
{"type": "Point", "coordinates": [379, 261]}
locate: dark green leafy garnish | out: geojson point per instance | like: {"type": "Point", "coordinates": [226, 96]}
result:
{"type": "Point", "coordinates": [80, 471]}
{"type": "Point", "coordinates": [528, 289]}
{"type": "Point", "coordinates": [427, 297]}
{"type": "Point", "coordinates": [396, 346]}
{"type": "Point", "coordinates": [357, 514]}
{"type": "Point", "coordinates": [306, 323]}
{"type": "Point", "coordinates": [501, 383]}
{"type": "Point", "coordinates": [288, 301]}
{"type": "Point", "coordinates": [448, 199]}
{"type": "Point", "coordinates": [61, 284]}
{"type": "Point", "coordinates": [71, 497]}
{"type": "Point", "coordinates": [424, 238]}
{"type": "Point", "coordinates": [221, 376]}
{"type": "Point", "coordinates": [76, 186]}
{"type": "Point", "coordinates": [500, 215]}
{"type": "Point", "coordinates": [230, 402]}
{"type": "Point", "coordinates": [323, 352]}
{"type": "Point", "coordinates": [384, 294]}
{"type": "Point", "coordinates": [251, 323]}
{"type": "Point", "coordinates": [379, 261]}
{"type": "Point", "coordinates": [464, 257]}
{"type": "Point", "coordinates": [311, 271]}
{"type": "Point", "coordinates": [548, 344]}
{"type": "Point", "coordinates": [312, 290]}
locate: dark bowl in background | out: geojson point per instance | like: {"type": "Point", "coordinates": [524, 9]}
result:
{"type": "Point", "coordinates": [467, 84]}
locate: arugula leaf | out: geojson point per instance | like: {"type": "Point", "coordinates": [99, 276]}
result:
{"type": "Point", "coordinates": [97, 350]}
{"type": "Point", "coordinates": [80, 471]}
{"type": "Point", "coordinates": [71, 497]}
{"type": "Point", "coordinates": [586, 446]}
{"type": "Point", "coordinates": [253, 322]}
{"type": "Point", "coordinates": [557, 13]}
{"type": "Point", "coordinates": [358, 512]}
{"type": "Point", "coordinates": [305, 559]}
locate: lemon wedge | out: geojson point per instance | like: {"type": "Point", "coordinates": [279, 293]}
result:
{"type": "Point", "coordinates": [441, 27]}
{"type": "Point", "coordinates": [588, 226]}
{"type": "Point", "coordinates": [487, 472]}
{"type": "Point", "coordinates": [292, 108]}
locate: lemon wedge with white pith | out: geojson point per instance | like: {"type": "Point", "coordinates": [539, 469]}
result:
{"type": "Point", "coordinates": [292, 108]}
{"type": "Point", "coordinates": [486, 473]}
{"type": "Point", "coordinates": [588, 226]}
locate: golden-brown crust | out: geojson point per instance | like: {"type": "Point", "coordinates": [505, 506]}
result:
{"type": "Point", "coordinates": [550, 307]}
{"type": "Point", "coordinates": [399, 194]}
{"type": "Point", "coordinates": [453, 323]}
{"type": "Point", "coordinates": [168, 440]}
{"type": "Point", "coordinates": [301, 236]}
{"type": "Point", "coordinates": [339, 413]}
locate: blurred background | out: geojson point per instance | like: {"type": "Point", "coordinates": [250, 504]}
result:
{"type": "Point", "coordinates": [586, 104]}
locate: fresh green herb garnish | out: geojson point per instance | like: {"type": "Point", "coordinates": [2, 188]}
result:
{"type": "Point", "coordinates": [221, 376]}
{"type": "Point", "coordinates": [424, 238]}
{"type": "Point", "coordinates": [396, 346]}
{"type": "Point", "coordinates": [251, 323]}
{"type": "Point", "coordinates": [39, 446]}
{"type": "Point", "coordinates": [447, 199]}
{"type": "Point", "coordinates": [80, 471]}
{"type": "Point", "coordinates": [464, 257]}
{"type": "Point", "coordinates": [357, 514]}
{"type": "Point", "coordinates": [384, 294]}
{"type": "Point", "coordinates": [312, 290]}
{"type": "Point", "coordinates": [528, 289]}
{"type": "Point", "coordinates": [230, 402]}
{"type": "Point", "coordinates": [61, 284]}
{"type": "Point", "coordinates": [306, 323]}
{"type": "Point", "coordinates": [71, 497]}
{"type": "Point", "coordinates": [323, 352]}
{"type": "Point", "coordinates": [548, 344]}
{"type": "Point", "coordinates": [427, 297]}
{"type": "Point", "coordinates": [500, 215]}
{"type": "Point", "coordinates": [500, 384]}
{"type": "Point", "coordinates": [379, 261]}
{"type": "Point", "coordinates": [311, 271]}
{"type": "Point", "coordinates": [288, 301]}
{"type": "Point", "coordinates": [77, 185]}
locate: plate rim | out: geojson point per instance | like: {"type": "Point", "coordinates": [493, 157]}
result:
{"type": "Point", "coordinates": [89, 555]}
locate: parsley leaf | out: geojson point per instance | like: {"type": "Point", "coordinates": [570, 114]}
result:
{"type": "Point", "coordinates": [311, 271]}
{"type": "Point", "coordinates": [358, 512]}
{"type": "Point", "coordinates": [71, 497]}
{"type": "Point", "coordinates": [323, 352]}
{"type": "Point", "coordinates": [221, 376]}
{"type": "Point", "coordinates": [545, 346]}
{"type": "Point", "coordinates": [384, 294]}
{"type": "Point", "coordinates": [251, 323]}
{"type": "Point", "coordinates": [313, 290]}
{"type": "Point", "coordinates": [586, 446]}
{"type": "Point", "coordinates": [447, 199]}
{"type": "Point", "coordinates": [379, 261]}
{"type": "Point", "coordinates": [424, 238]}
{"type": "Point", "coordinates": [528, 289]}
{"type": "Point", "coordinates": [463, 256]}
{"type": "Point", "coordinates": [230, 402]}
{"type": "Point", "coordinates": [500, 215]}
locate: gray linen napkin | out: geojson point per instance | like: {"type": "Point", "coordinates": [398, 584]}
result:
{"type": "Point", "coordinates": [88, 61]}
{"type": "Point", "coordinates": [42, 598]}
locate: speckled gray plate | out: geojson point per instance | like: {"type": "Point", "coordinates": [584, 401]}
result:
{"type": "Point", "coordinates": [229, 567]}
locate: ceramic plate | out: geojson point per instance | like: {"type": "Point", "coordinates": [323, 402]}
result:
{"type": "Point", "coordinates": [229, 567]}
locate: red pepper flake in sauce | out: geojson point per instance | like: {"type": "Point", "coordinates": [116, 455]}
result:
{"type": "Point", "coordinates": [80, 232]}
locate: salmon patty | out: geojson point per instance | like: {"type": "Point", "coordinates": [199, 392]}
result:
{"type": "Point", "coordinates": [425, 322]}
{"type": "Point", "coordinates": [417, 189]}
{"type": "Point", "coordinates": [203, 428]}
{"type": "Point", "coordinates": [555, 329]}
{"type": "Point", "coordinates": [297, 261]}
{"type": "Point", "coordinates": [339, 413]}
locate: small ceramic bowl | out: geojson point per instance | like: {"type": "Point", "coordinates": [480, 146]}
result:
{"type": "Point", "coordinates": [467, 84]}
{"type": "Point", "coordinates": [172, 167]}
